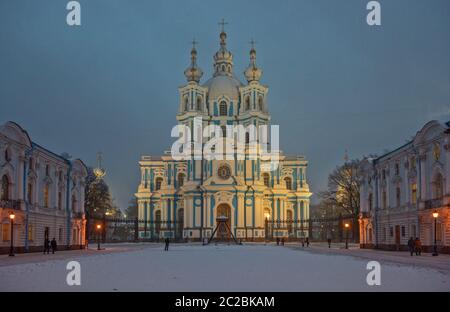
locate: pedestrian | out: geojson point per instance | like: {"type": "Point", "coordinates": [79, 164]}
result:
{"type": "Point", "coordinates": [46, 246]}
{"type": "Point", "coordinates": [166, 248]}
{"type": "Point", "coordinates": [54, 245]}
{"type": "Point", "coordinates": [418, 246]}
{"type": "Point", "coordinates": [307, 242]}
{"type": "Point", "coordinates": [86, 246]}
{"type": "Point", "coordinates": [329, 242]}
{"type": "Point", "coordinates": [278, 241]}
{"type": "Point", "coordinates": [282, 241]}
{"type": "Point", "coordinates": [303, 242]}
{"type": "Point", "coordinates": [411, 245]}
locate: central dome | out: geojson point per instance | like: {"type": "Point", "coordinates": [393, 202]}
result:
{"type": "Point", "coordinates": [223, 85]}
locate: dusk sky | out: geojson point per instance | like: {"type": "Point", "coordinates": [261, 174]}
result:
{"type": "Point", "coordinates": [110, 85]}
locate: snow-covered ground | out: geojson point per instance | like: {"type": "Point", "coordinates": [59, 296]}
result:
{"type": "Point", "coordinates": [213, 268]}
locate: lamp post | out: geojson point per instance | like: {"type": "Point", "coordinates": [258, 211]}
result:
{"type": "Point", "coordinates": [99, 227]}
{"type": "Point", "coordinates": [435, 216]}
{"type": "Point", "coordinates": [346, 225]}
{"type": "Point", "coordinates": [11, 218]}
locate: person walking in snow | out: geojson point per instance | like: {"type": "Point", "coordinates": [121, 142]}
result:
{"type": "Point", "coordinates": [307, 242]}
{"type": "Point", "coordinates": [418, 246]}
{"type": "Point", "coordinates": [166, 248]}
{"type": "Point", "coordinates": [46, 246]}
{"type": "Point", "coordinates": [53, 244]}
{"type": "Point", "coordinates": [411, 245]}
{"type": "Point", "coordinates": [329, 242]}
{"type": "Point", "coordinates": [282, 241]}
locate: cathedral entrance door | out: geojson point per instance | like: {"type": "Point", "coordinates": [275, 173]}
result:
{"type": "Point", "coordinates": [224, 210]}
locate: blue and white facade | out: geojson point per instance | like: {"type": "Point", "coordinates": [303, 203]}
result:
{"type": "Point", "coordinates": [195, 192]}
{"type": "Point", "coordinates": [45, 192]}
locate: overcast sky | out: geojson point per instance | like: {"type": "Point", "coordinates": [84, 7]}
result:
{"type": "Point", "coordinates": [111, 84]}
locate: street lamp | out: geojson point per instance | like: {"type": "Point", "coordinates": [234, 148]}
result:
{"type": "Point", "coordinates": [346, 234]}
{"type": "Point", "coordinates": [11, 218]}
{"type": "Point", "coordinates": [435, 216]}
{"type": "Point", "coordinates": [99, 227]}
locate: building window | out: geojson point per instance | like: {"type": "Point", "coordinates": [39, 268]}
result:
{"type": "Point", "coordinates": [384, 234]}
{"type": "Point", "coordinates": [30, 164]}
{"type": "Point", "coordinates": [60, 235]}
{"type": "Point", "coordinates": [438, 190]}
{"type": "Point", "coordinates": [412, 164]}
{"type": "Point", "coordinates": [186, 103]}
{"type": "Point", "coordinates": [266, 178]}
{"type": "Point", "coordinates": [384, 199]}
{"type": "Point", "coordinates": [413, 231]}
{"type": "Point", "coordinates": [383, 174]}
{"type": "Point", "coordinates": [247, 137]}
{"type": "Point", "coordinates": [74, 203]}
{"type": "Point", "coordinates": [5, 232]}
{"type": "Point", "coordinates": [30, 232]}
{"type": "Point", "coordinates": [414, 193]}
{"type": "Point", "coordinates": [397, 169]}
{"type": "Point", "coordinates": [247, 103]}
{"type": "Point", "coordinates": [260, 103]}
{"type": "Point", "coordinates": [60, 176]}
{"type": "Point", "coordinates": [5, 188]}
{"type": "Point", "coordinates": [199, 103]}
{"type": "Point", "coordinates": [403, 231]}
{"type": "Point", "coordinates": [288, 182]}
{"type": "Point", "coordinates": [59, 200]}
{"type": "Point", "coordinates": [47, 170]}
{"type": "Point", "coordinates": [391, 231]}
{"type": "Point", "coordinates": [223, 111]}
{"type": "Point", "coordinates": [158, 183]}
{"type": "Point", "coordinates": [224, 131]}
{"type": "Point", "coordinates": [397, 196]}
{"type": "Point", "coordinates": [158, 221]}
{"type": "Point", "coordinates": [370, 201]}
{"type": "Point", "coordinates": [46, 196]}
{"type": "Point", "coordinates": [30, 193]}
{"type": "Point", "coordinates": [180, 179]}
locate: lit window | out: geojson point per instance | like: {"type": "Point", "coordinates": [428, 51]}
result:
{"type": "Point", "coordinates": [30, 232]}
{"type": "Point", "coordinates": [46, 196]}
{"type": "Point", "coordinates": [414, 193]}
{"type": "Point", "coordinates": [5, 232]}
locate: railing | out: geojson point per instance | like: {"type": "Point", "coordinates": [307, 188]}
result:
{"type": "Point", "coordinates": [9, 203]}
{"type": "Point", "coordinates": [433, 203]}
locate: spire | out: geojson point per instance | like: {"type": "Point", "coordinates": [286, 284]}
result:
{"type": "Point", "coordinates": [252, 73]}
{"type": "Point", "coordinates": [223, 59]}
{"type": "Point", "coordinates": [193, 72]}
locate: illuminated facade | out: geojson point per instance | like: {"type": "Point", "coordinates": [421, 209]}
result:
{"type": "Point", "coordinates": [195, 192]}
{"type": "Point", "coordinates": [401, 190]}
{"type": "Point", "coordinates": [45, 191]}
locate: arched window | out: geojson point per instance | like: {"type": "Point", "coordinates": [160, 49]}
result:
{"type": "Point", "coordinates": [224, 131]}
{"type": "Point", "coordinates": [266, 178]}
{"type": "Point", "coordinates": [180, 179]}
{"type": "Point", "coordinates": [223, 68]}
{"type": "Point", "coordinates": [7, 156]}
{"type": "Point", "coordinates": [47, 170]}
{"type": "Point", "coordinates": [288, 182]}
{"type": "Point", "coordinates": [31, 164]}
{"type": "Point", "coordinates": [247, 103]}
{"type": "Point", "coordinates": [158, 183]}
{"type": "Point", "coordinates": [186, 103]}
{"type": "Point", "coordinates": [223, 108]}
{"type": "Point", "coordinates": [398, 196]}
{"type": "Point", "coordinates": [370, 201]}
{"type": "Point", "coordinates": [74, 203]}
{"type": "Point", "coordinates": [5, 188]}
{"type": "Point", "coordinates": [59, 200]}
{"type": "Point", "coordinates": [438, 186]}
{"type": "Point", "coordinates": [289, 219]}
{"type": "Point", "coordinates": [157, 221]}
{"type": "Point", "coordinates": [30, 193]}
{"type": "Point", "coordinates": [199, 103]}
{"type": "Point", "coordinates": [260, 103]}
{"type": "Point", "coordinates": [247, 137]}
{"type": "Point", "coordinates": [46, 196]}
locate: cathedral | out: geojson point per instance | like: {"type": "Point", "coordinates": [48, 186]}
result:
{"type": "Point", "coordinates": [184, 199]}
